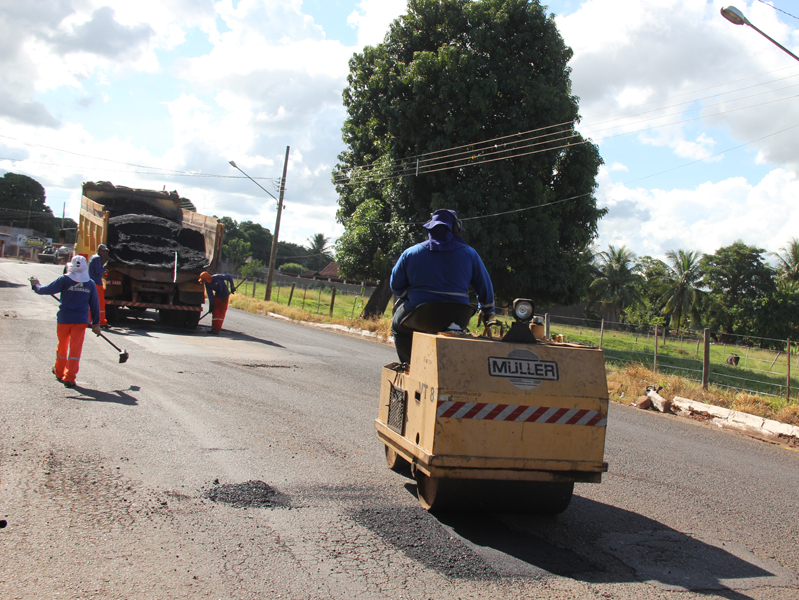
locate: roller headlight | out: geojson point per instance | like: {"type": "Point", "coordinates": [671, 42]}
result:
{"type": "Point", "coordinates": [523, 309]}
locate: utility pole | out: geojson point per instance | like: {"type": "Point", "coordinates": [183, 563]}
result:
{"type": "Point", "coordinates": [273, 254]}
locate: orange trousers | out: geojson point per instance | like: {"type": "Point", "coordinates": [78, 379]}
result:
{"type": "Point", "coordinates": [218, 314]}
{"type": "Point", "coordinates": [101, 300]}
{"type": "Point", "coordinates": [68, 351]}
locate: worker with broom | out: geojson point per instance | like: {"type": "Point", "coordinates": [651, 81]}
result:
{"type": "Point", "coordinates": [216, 287]}
{"type": "Point", "coordinates": [96, 270]}
{"type": "Point", "coordinates": [78, 299]}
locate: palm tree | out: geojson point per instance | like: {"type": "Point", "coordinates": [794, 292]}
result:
{"type": "Point", "coordinates": [682, 295]}
{"type": "Point", "coordinates": [788, 266]}
{"type": "Point", "coordinates": [616, 280]}
{"type": "Point", "coordinates": [319, 247]}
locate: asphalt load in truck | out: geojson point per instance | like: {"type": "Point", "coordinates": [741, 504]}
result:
{"type": "Point", "coordinates": [147, 241]}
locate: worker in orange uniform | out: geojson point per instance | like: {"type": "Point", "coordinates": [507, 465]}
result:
{"type": "Point", "coordinates": [96, 269]}
{"type": "Point", "coordinates": [216, 286]}
{"type": "Point", "coordinates": [78, 300]}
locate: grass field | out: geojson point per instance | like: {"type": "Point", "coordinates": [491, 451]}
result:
{"type": "Point", "coordinates": [759, 371]}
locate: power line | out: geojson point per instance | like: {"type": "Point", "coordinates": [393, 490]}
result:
{"type": "Point", "coordinates": [779, 9]}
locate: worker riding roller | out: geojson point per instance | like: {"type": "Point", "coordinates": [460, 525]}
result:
{"type": "Point", "coordinates": [97, 266]}
{"type": "Point", "coordinates": [440, 269]}
{"type": "Point", "coordinates": [78, 302]}
{"type": "Point", "coordinates": [216, 286]}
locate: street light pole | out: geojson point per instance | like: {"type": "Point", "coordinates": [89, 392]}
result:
{"type": "Point", "coordinates": [273, 254]}
{"type": "Point", "coordinates": [733, 15]}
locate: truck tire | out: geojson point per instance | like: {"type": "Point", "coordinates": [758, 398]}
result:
{"type": "Point", "coordinates": [192, 319]}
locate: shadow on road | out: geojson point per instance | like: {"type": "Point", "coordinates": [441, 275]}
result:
{"type": "Point", "coordinates": [10, 284]}
{"type": "Point", "coordinates": [144, 326]}
{"type": "Point", "coordinates": [117, 396]}
{"type": "Point", "coordinates": [591, 542]}
{"type": "Point", "coordinates": [596, 542]}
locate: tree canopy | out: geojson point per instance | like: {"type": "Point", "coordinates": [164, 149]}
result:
{"type": "Point", "coordinates": [737, 278]}
{"type": "Point", "coordinates": [319, 250]}
{"type": "Point", "coordinates": [467, 105]}
{"type": "Point", "coordinates": [22, 204]}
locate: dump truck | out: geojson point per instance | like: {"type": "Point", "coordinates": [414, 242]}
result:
{"type": "Point", "coordinates": [504, 423]}
{"type": "Point", "coordinates": [157, 245]}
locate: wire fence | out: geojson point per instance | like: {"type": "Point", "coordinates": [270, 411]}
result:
{"type": "Point", "coordinates": [740, 362]}
{"type": "Point", "coordinates": [336, 300]}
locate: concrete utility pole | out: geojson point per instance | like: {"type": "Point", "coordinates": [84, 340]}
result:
{"type": "Point", "coordinates": [273, 253]}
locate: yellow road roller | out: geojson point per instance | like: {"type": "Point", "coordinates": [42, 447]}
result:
{"type": "Point", "coordinates": [500, 423]}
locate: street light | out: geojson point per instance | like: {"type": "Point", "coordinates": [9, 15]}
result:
{"type": "Point", "coordinates": [735, 16]}
{"type": "Point", "coordinates": [272, 255]}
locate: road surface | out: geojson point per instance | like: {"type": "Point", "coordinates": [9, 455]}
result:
{"type": "Point", "coordinates": [246, 466]}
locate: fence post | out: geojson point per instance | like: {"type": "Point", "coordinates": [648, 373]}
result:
{"type": "Point", "coordinates": [546, 325]}
{"type": "Point", "coordinates": [319, 300]}
{"type": "Point", "coordinates": [291, 294]}
{"type": "Point", "coordinates": [706, 361]}
{"type": "Point", "coordinates": [264, 294]}
{"type": "Point", "coordinates": [601, 333]}
{"type": "Point", "coordinates": [254, 285]}
{"type": "Point", "coordinates": [656, 349]}
{"type": "Point", "coordinates": [788, 383]}
{"type": "Point", "coordinates": [304, 294]}
{"type": "Point", "coordinates": [277, 298]}
{"type": "Point", "coordinates": [746, 358]}
{"type": "Point", "coordinates": [332, 301]}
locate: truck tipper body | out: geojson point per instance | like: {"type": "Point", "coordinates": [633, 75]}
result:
{"type": "Point", "coordinates": [157, 245]}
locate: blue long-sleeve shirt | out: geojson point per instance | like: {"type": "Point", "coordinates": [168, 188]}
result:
{"type": "Point", "coordinates": [428, 276]}
{"type": "Point", "coordinates": [218, 288]}
{"type": "Point", "coordinates": [77, 299]}
{"type": "Point", "coordinates": [96, 269]}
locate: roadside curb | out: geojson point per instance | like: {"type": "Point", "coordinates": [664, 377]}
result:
{"type": "Point", "coordinates": [359, 333]}
{"type": "Point", "coordinates": [759, 427]}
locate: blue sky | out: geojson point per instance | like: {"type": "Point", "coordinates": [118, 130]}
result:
{"type": "Point", "coordinates": [696, 118]}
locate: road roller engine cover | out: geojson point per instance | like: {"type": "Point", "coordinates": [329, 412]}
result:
{"type": "Point", "coordinates": [500, 423]}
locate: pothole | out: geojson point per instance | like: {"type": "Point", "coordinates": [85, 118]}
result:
{"type": "Point", "coordinates": [250, 494]}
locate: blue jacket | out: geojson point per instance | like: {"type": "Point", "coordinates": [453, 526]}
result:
{"type": "Point", "coordinates": [77, 299]}
{"type": "Point", "coordinates": [218, 289]}
{"type": "Point", "coordinates": [96, 269]}
{"type": "Point", "coordinates": [425, 275]}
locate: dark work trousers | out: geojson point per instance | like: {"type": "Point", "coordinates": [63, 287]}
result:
{"type": "Point", "coordinates": [403, 338]}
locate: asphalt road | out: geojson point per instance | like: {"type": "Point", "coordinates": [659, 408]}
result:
{"type": "Point", "coordinates": [246, 466]}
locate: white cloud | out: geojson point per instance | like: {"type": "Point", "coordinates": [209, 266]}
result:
{"type": "Point", "coordinates": [713, 215]}
{"type": "Point", "coordinates": [373, 17]}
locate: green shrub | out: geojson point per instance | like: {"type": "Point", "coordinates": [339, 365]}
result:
{"type": "Point", "coordinates": [291, 268]}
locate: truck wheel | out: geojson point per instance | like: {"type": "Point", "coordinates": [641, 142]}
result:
{"type": "Point", "coordinates": [396, 463]}
{"type": "Point", "coordinates": [192, 319]}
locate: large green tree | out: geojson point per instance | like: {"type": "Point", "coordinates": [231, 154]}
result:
{"type": "Point", "coordinates": [738, 279]}
{"type": "Point", "coordinates": [788, 261]}
{"type": "Point", "coordinates": [617, 280]}
{"type": "Point", "coordinates": [651, 284]}
{"type": "Point", "coordinates": [22, 204]}
{"type": "Point", "coordinates": [468, 105]}
{"type": "Point", "coordinates": [682, 282]}
{"type": "Point", "coordinates": [319, 250]}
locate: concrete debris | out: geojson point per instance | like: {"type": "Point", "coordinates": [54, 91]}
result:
{"type": "Point", "coordinates": [643, 402]}
{"type": "Point", "coordinates": [766, 429]}
{"type": "Point", "coordinates": [658, 402]}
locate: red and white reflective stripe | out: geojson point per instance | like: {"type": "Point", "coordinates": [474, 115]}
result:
{"type": "Point", "coordinates": [148, 305]}
{"type": "Point", "coordinates": [520, 414]}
